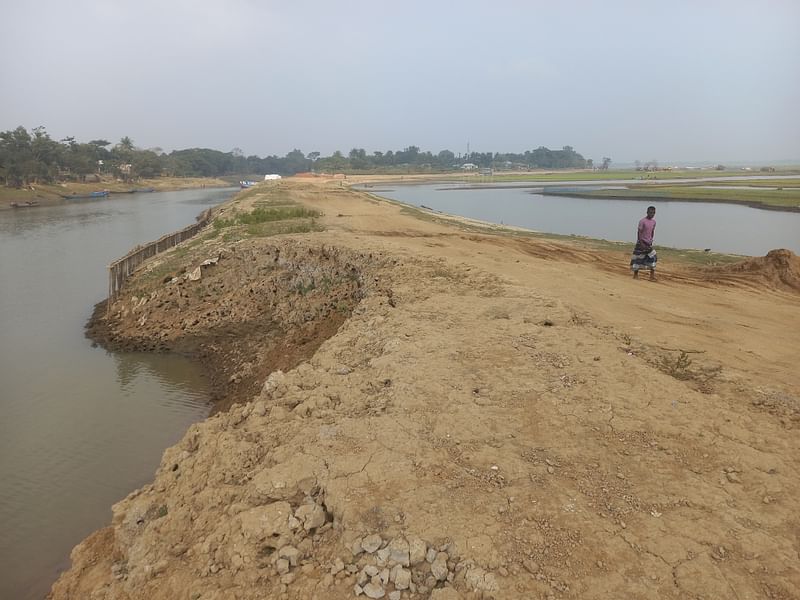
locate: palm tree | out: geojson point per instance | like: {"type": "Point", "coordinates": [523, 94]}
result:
{"type": "Point", "coordinates": [126, 143]}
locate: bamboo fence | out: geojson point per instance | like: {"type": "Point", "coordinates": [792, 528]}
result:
{"type": "Point", "coordinates": [122, 268]}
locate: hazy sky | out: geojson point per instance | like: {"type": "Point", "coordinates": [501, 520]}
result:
{"type": "Point", "coordinates": [674, 81]}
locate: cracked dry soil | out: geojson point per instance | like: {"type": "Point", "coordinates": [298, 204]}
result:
{"type": "Point", "coordinates": [426, 412]}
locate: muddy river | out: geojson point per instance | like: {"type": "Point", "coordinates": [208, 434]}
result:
{"type": "Point", "coordinates": [80, 427]}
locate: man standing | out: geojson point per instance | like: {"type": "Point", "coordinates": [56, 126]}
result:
{"type": "Point", "coordinates": [643, 254]}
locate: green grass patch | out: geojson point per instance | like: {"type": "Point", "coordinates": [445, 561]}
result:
{"type": "Point", "coordinates": [283, 227]}
{"type": "Point", "coordinates": [274, 213]}
{"type": "Point", "coordinates": [266, 215]}
{"type": "Point", "coordinates": [273, 204]}
{"type": "Point", "coordinates": [768, 183]}
{"type": "Point", "coordinates": [783, 198]}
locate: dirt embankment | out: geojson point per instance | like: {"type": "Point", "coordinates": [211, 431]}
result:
{"type": "Point", "coordinates": [480, 416]}
{"type": "Point", "coordinates": [253, 309]}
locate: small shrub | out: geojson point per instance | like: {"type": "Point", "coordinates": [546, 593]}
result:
{"type": "Point", "coordinates": [677, 368]}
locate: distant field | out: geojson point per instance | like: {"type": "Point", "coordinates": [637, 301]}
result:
{"type": "Point", "coordinates": [784, 183]}
{"type": "Point", "coordinates": [788, 197]}
{"type": "Point", "coordinates": [627, 174]}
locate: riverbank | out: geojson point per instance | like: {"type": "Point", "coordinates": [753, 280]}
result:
{"type": "Point", "coordinates": [284, 320]}
{"type": "Point", "coordinates": [53, 195]}
{"type": "Point", "coordinates": [488, 415]}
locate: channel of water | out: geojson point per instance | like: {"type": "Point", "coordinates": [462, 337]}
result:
{"type": "Point", "coordinates": [80, 427]}
{"type": "Point", "coordinates": [720, 227]}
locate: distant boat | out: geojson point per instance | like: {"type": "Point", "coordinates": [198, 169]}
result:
{"type": "Point", "coordinates": [133, 191]}
{"type": "Point", "coordinates": [247, 184]}
{"type": "Point", "coordinates": [101, 194]}
{"type": "Point", "coordinates": [26, 204]}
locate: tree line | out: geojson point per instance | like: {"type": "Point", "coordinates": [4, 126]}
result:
{"type": "Point", "coordinates": [412, 158]}
{"type": "Point", "coordinates": [29, 157]}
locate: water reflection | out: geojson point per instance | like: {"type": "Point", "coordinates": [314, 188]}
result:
{"type": "Point", "coordinates": [66, 462]}
{"type": "Point", "coordinates": [47, 218]}
{"type": "Point", "coordinates": [172, 372]}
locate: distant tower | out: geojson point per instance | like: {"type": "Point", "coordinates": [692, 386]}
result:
{"type": "Point", "coordinates": [468, 149]}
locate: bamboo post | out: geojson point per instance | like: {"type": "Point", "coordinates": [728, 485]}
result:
{"type": "Point", "coordinates": [122, 268]}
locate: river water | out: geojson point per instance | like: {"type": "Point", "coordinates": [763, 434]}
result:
{"type": "Point", "coordinates": [80, 428]}
{"type": "Point", "coordinates": [727, 228]}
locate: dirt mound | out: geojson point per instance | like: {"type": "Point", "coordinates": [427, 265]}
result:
{"type": "Point", "coordinates": [257, 308]}
{"type": "Point", "coordinates": [779, 269]}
